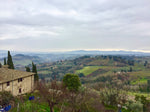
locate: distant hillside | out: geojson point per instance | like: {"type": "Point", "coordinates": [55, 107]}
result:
{"type": "Point", "coordinates": [89, 64]}
{"type": "Point", "coordinates": [108, 53]}
{"type": "Point", "coordinates": [24, 60]}
{"type": "Point", "coordinates": [56, 57]}
{"type": "Point", "coordinates": [21, 60]}
{"type": "Point", "coordinates": [92, 69]}
{"type": "Point", "coordinates": [3, 53]}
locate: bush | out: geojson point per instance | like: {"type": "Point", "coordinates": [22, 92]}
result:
{"type": "Point", "coordinates": [135, 106]}
{"type": "Point", "coordinates": [113, 97]}
{"type": "Point", "coordinates": [6, 98]}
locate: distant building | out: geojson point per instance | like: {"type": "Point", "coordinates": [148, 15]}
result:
{"type": "Point", "coordinates": [15, 81]}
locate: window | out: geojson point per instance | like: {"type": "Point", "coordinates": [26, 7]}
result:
{"type": "Point", "coordinates": [20, 90]}
{"type": "Point", "coordinates": [8, 83]}
{"type": "Point", "coordinates": [20, 80]}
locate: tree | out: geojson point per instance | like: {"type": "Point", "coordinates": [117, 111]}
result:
{"type": "Point", "coordinates": [81, 75]}
{"type": "Point", "coordinates": [27, 69]}
{"type": "Point", "coordinates": [134, 106]}
{"type": "Point", "coordinates": [148, 85]}
{"type": "Point", "coordinates": [84, 100]}
{"type": "Point", "coordinates": [34, 70]}
{"type": "Point", "coordinates": [0, 65]}
{"type": "Point", "coordinates": [143, 100]}
{"type": "Point", "coordinates": [130, 69]}
{"type": "Point", "coordinates": [5, 63]}
{"type": "Point", "coordinates": [9, 61]}
{"type": "Point", "coordinates": [131, 62]}
{"type": "Point", "coordinates": [72, 82]}
{"type": "Point", "coordinates": [53, 94]}
{"type": "Point", "coordinates": [145, 63]}
{"type": "Point", "coordinates": [113, 96]}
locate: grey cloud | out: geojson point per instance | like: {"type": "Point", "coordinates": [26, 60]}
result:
{"type": "Point", "coordinates": [75, 24]}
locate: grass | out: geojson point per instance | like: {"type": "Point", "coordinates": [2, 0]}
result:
{"type": "Point", "coordinates": [143, 73]}
{"type": "Point", "coordinates": [30, 106]}
{"type": "Point", "coordinates": [22, 62]}
{"type": "Point", "coordinates": [88, 70]}
{"type": "Point", "coordinates": [139, 94]}
{"type": "Point", "coordinates": [139, 81]}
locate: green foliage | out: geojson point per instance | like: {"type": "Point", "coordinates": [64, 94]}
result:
{"type": "Point", "coordinates": [88, 70]}
{"type": "Point", "coordinates": [72, 82]}
{"type": "Point", "coordinates": [9, 61]}
{"type": "Point", "coordinates": [145, 63]}
{"type": "Point", "coordinates": [139, 81]}
{"type": "Point", "coordinates": [81, 75]}
{"type": "Point", "coordinates": [148, 85]}
{"type": "Point", "coordinates": [113, 97]}
{"type": "Point", "coordinates": [130, 69]}
{"type": "Point", "coordinates": [131, 62]}
{"type": "Point", "coordinates": [143, 100]}
{"type": "Point", "coordinates": [6, 98]}
{"type": "Point", "coordinates": [5, 63]}
{"type": "Point", "coordinates": [135, 106]}
{"type": "Point", "coordinates": [27, 69]}
{"type": "Point", "coordinates": [0, 65]}
{"type": "Point", "coordinates": [148, 82]}
{"type": "Point", "coordinates": [31, 106]}
{"type": "Point", "coordinates": [34, 70]}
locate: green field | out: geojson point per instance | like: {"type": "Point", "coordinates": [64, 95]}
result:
{"type": "Point", "coordinates": [88, 70]}
{"type": "Point", "coordinates": [139, 81]}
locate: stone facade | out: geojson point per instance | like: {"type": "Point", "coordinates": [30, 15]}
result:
{"type": "Point", "coordinates": [20, 85]}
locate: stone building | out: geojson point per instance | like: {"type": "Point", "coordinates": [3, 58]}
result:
{"type": "Point", "coordinates": [15, 81]}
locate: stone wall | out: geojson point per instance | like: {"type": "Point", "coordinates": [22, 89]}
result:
{"type": "Point", "coordinates": [25, 86]}
{"type": "Point", "coordinates": [0, 87]}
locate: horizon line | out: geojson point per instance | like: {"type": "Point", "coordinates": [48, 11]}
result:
{"type": "Point", "coordinates": [65, 50]}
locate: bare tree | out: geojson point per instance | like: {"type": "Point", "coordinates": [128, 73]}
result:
{"type": "Point", "coordinates": [83, 101]}
{"type": "Point", "coordinates": [53, 94]}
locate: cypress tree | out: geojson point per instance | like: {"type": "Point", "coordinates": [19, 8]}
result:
{"type": "Point", "coordinates": [28, 69]}
{"type": "Point", "coordinates": [0, 65]}
{"type": "Point", "coordinates": [34, 70]}
{"type": "Point", "coordinates": [130, 69]}
{"type": "Point", "coordinates": [9, 61]}
{"type": "Point", "coordinates": [5, 63]}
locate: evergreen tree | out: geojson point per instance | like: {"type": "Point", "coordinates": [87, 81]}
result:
{"type": "Point", "coordinates": [34, 70]}
{"type": "Point", "coordinates": [5, 63]}
{"type": "Point", "coordinates": [27, 69]}
{"type": "Point", "coordinates": [148, 85]}
{"type": "Point", "coordinates": [9, 61]}
{"type": "Point", "coordinates": [0, 65]}
{"type": "Point", "coordinates": [130, 69]}
{"type": "Point", "coordinates": [145, 63]}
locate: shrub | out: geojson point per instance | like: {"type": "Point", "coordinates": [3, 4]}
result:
{"type": "Point", "coordinates": [6, 98]}
{"type": "Point", "coordinates": [135, 106]}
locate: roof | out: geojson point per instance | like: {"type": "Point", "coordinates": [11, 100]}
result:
{"type": "Point", "coordinates": [10, 74]}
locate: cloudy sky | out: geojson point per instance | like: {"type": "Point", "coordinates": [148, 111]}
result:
{"type": "Point", "coordinates": [59, 25]}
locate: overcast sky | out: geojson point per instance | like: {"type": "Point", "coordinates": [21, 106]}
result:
{"type": "Point", "coordinates": [56, 25]}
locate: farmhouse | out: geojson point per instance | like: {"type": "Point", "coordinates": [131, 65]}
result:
{"type": "Point", "coordinates": [15, 81]}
